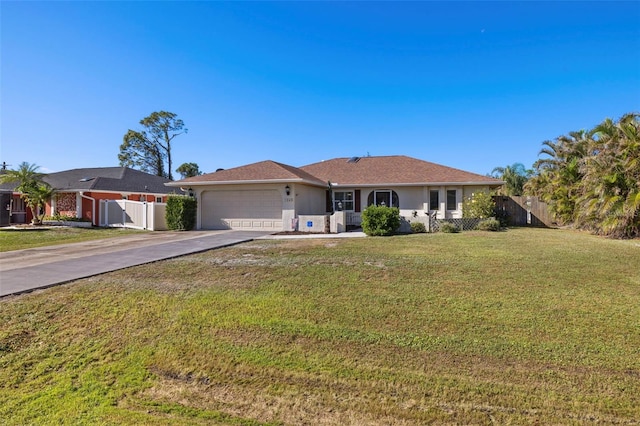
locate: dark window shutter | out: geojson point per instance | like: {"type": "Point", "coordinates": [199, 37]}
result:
{"type": "Point", "coordinates": [329, 202]}
{"type": "Point", "coordinates": [357, 206]}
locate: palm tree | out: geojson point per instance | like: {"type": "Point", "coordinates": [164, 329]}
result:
{"type": "Point", "coordinates": [592, 178]}
{"type": "Point", "coordinates": [36, 199]}
{"type": "Point", "coordinates": [610, 202]}
{"type": "Point", "coordinates": [514, 176]}
{"type": "Point", "coordinates": [31, 187]}
{"type": "Point", "coordinates": [558, 177]}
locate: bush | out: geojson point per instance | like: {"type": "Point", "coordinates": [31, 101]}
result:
{"type": "Point", "coordinates": [380, 220]}
{"type": "Point", "coordinates": [491, 224]}
{"type": "Point", "coordinates": [480, 205]}
{"type": "Point", "coordinates": [181, 213]}
{"type": "Point", "coordinates": [64, 218]}
{"type": "Point", "coordinates": [418, 228]}
{"type": "Point", "coordinates": [503, 218]}
{"type": "Point", "coordinates": [448, 227]}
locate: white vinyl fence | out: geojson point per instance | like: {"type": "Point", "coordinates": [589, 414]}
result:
{"type": "Point", "coordinates": [133, 214]}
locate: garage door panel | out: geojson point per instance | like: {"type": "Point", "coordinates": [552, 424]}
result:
{"type": "Point", "coordinates": [250, 209]}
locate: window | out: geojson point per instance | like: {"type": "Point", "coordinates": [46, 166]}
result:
{"type": "Point", "coordinates": [343, 201]}
{"type": "Point", "coordinates": [383, 198]}
{"type": "Point", "coordinates": [18, 205]}
{"type": "Point", "coordinates": [158, 199]}
{"type": "Point", "coordinates": [451, 199]}
{"type": "Point", "coordinates": [434, 200]}
{"type": "Point", "coordinates": [125, 197]}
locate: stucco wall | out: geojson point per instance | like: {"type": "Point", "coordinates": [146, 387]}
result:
{"type": "Point", "coordinates": [470, 190]}
{"type": "Point", "coordinates": [313, 223]}
{"type": "Point", "coordinates": [410, 198]}
{"type": "Point", "coordinates": [309, 200]}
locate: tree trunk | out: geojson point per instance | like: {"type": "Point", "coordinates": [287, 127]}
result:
{"type": "Point", "coordinates": [35, 217]}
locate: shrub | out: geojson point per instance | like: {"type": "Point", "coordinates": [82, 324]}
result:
{"type": "Point", "coordinates": [418, 228]}
{"type": "Point", "coordinates": [480, 205]}
{"type": "Point", "coordinates": [380, 220]}
{"type": "Point", "coordinates": [181, 213]}
{"type": "Point", "coordinates": [448, 227]}
{"type": "Point", "coordinates": [503, 218]}
{"type": "Point", "coordinates": [64, 218]}
{"type": "Point", "coordinates": [491, 224]}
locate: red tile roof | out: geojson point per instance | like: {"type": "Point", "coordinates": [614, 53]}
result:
{"type": "Point", "coordinates": [263, 171]}
{"type": "Point", "coordinates": [397, 169]}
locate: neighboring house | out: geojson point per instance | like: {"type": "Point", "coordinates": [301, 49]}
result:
{"type": "Point", "coordinates": [5, 207]}
{"type": "Point", "coordinates": [79, 191]}
{"type": "Point", "coordinates": [271, 196]}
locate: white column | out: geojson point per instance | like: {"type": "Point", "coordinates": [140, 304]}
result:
{"type": "Point", "coordinates": [78, 204]}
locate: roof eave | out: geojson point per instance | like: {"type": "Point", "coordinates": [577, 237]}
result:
{"type": "Point", "coordinates": [388, 184]}
{"type": "Point", "coordinates": [182, 184]}
{"type": "Point", "coordinates": [109, 191]}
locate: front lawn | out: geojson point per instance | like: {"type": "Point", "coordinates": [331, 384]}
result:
{"type": "Point", "coordinates": [528, 326]}
{"type": "Point", "coordinates": [39, 236]}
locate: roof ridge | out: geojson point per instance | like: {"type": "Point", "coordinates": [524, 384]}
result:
{"type": "Point", "coordinates": [360, 158]}
{"type": "Point", "coordinates": [91, 168]}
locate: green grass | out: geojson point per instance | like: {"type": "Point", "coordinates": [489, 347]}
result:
{"type": "Point", "coordinates": [528, 326]}
{"type": "Point", "coordinates": [36, 236]}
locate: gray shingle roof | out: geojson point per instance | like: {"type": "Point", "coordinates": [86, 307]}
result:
{"type": "Point", "coordinates": [118, 179]}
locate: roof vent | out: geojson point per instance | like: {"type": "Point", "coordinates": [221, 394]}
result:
{"type": "Point", "coordinates": [87, 179]}
{"type": "Point", "coordinates": [353, 160]}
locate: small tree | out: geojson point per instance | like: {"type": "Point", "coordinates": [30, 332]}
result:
{"type": "Point", "coordinates": [480, 205]}
{"type": "Point", "coordinates": [380, 220]}
{"type": "Point", "coordinates": [36, 198]}
{"type": "Point", "coordinates": [181, 212]}
{"type": "Point", "coordinates": [32, 188]}
{"type": "Point", "coordinates": [187, 170]}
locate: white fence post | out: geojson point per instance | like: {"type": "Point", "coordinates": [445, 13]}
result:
{"type": "Point", "coordinates": [144, 215]}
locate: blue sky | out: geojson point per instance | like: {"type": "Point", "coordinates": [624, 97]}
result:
{"type": "Point", "coordinates": [472, 85]}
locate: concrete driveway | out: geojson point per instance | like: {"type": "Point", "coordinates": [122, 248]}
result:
{"type": "Point", "coordinates": [26, 270]}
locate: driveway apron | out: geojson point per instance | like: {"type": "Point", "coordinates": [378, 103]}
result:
{"type": "Point", "coordinates": [16, 277]}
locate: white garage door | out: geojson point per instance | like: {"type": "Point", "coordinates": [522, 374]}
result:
{"type": "Point", "coordinates": [251, 209]}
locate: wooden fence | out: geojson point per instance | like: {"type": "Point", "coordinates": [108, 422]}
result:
{"type": "Point", "coordinates": [524, 211]}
